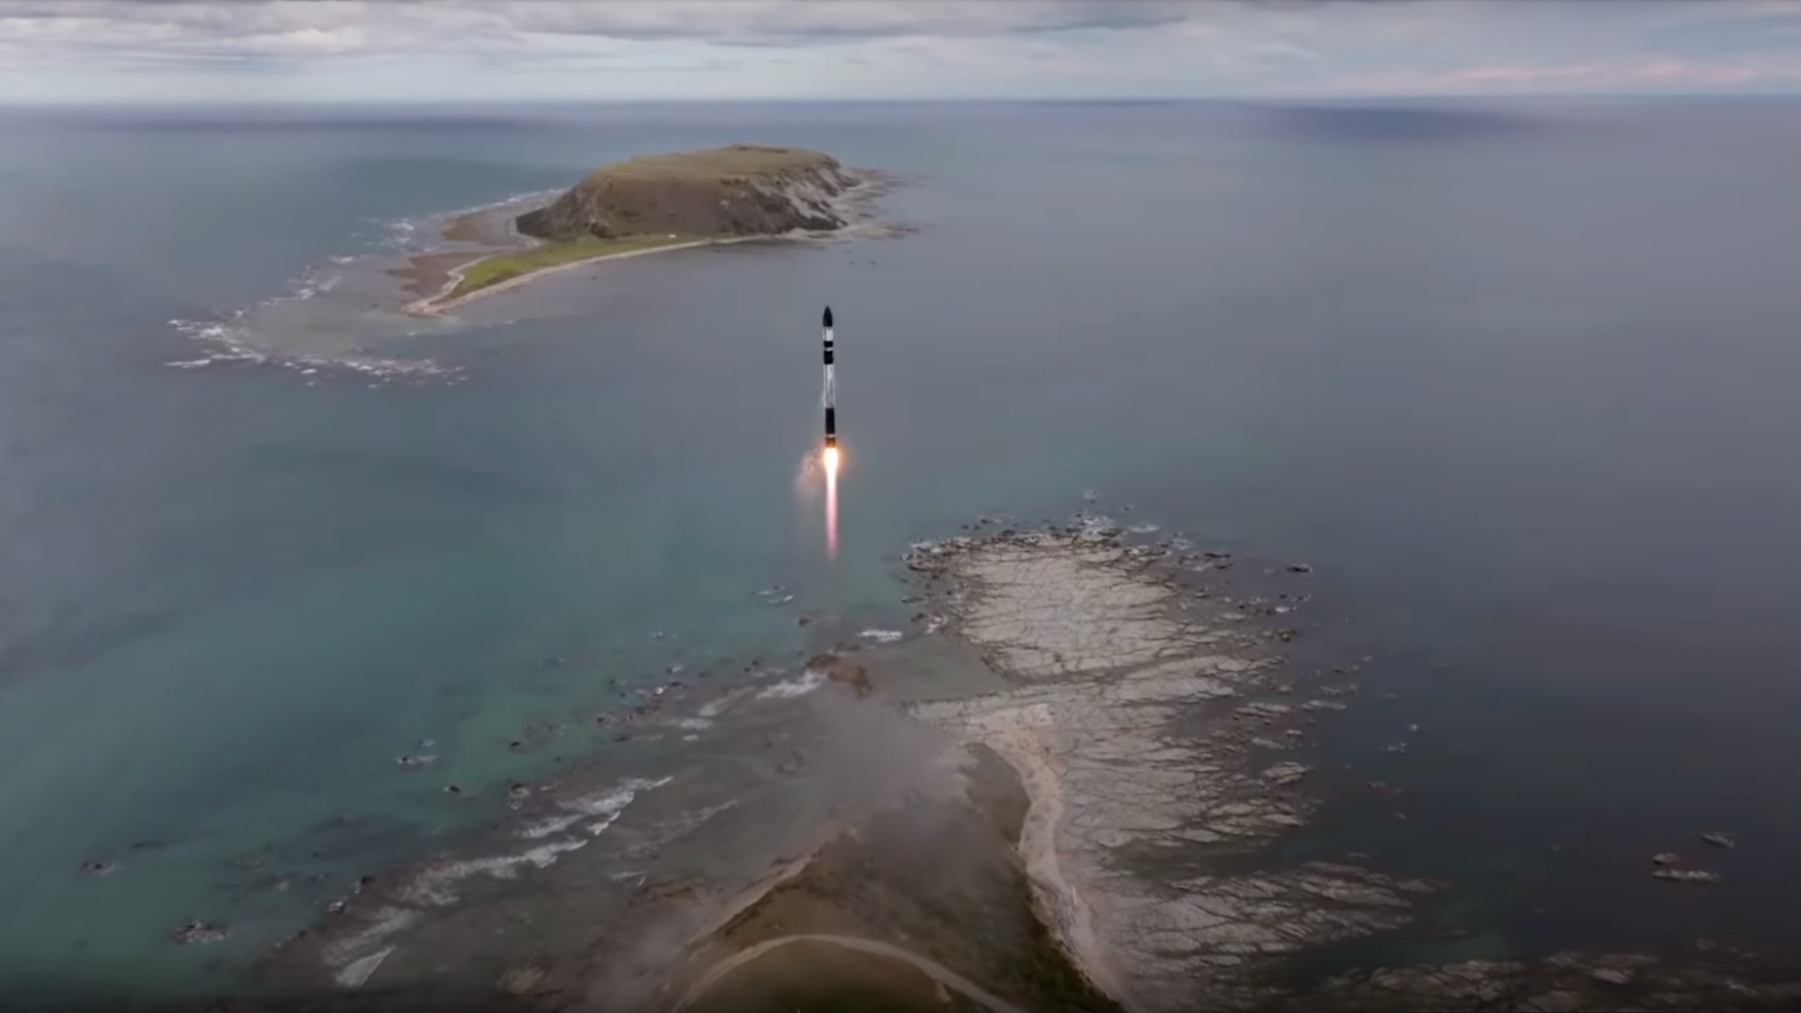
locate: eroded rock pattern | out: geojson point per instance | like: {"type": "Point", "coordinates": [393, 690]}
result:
{"type": "Point", "coordinates": [1562, 984]}
{"type": "Point", "coordinates": [1131, 724]}
{"type": "Point", "coordinates": [734, 191]}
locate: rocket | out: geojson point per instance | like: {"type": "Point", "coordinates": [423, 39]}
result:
{"type": "Point", "coordinates": [829, 456]}
{"type": "Point", "coordinates": [831, 387]}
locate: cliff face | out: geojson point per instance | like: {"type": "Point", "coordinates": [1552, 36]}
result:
{"type": "Point", "coordinates": [735, 191]}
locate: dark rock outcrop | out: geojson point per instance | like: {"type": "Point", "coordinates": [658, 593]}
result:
{"type": "Point", "coordinates": [1566, 983]}
{"type": "Point", "coordinates": [741, 190]}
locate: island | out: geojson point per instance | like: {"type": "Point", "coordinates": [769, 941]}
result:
{"type": "Point", "coordinates": [641, 205]}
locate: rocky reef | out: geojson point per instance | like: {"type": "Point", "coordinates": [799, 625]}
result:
{"type": "Point", "coordinates": [1565, 983]}
{"type": "Point", "coordinates": [740, 190]}
{"type": "Point", "coordinates": [1062, 799]}
{"type": "Point", "coordinates": [1144, 720]}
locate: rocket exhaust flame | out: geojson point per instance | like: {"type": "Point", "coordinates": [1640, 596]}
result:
{"type": "Point", "coordinates": [829, 457]}
{"type": "Point", "coordinates": [831, 502]}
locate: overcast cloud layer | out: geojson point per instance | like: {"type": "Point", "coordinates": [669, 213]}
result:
{"type": "Point", "coordinates": [609, 50]}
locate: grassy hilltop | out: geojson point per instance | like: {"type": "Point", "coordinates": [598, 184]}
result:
{"type": "Point", "coordinates": [673, 199]}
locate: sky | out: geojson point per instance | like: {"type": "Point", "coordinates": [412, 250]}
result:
{"type": "Point", "coordinates": [396, 51]}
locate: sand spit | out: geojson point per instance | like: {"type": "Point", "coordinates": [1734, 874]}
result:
{"type": "Point", "coordinates": [925, 893]}
{"type": "Point", "coordinates": [1104, 659]}
{"type": "Point", "coordinates": [945, 978]}
{"type": "Point", "coordinates": [443, 302]}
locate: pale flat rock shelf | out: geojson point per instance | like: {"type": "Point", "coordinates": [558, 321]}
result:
{"type": "Point", "coordinates": [1104, 660]}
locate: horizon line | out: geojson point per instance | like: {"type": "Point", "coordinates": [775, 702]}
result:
{"type": "Point", "coordinates": [958, 100]}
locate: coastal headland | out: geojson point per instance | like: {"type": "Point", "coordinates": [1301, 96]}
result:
{"type": "Point", "coordinates": [1061, 795]}
{"type": "Point", "coordinates": [642, 205]}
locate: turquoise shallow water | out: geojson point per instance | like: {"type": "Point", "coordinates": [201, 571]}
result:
{"type": "Point", "coordinates": [1513, 380]}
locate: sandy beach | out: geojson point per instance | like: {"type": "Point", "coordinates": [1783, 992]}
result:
{"type": "Point", "coordinates": [441, 301]}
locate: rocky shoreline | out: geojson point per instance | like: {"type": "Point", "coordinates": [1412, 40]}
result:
{"type": "Point", "coordinates": [1106, 650]}
{"type": "Point", "coordinates": [737, 190]}
{"type": "Point", "coordinates": [1063, 799]}
{"type": "Point", "coordinates": [664, 203]}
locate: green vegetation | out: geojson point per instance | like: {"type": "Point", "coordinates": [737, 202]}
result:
{"type": "Point", "coordinates": [713, 164]}
{"type": "Point", "coordinates": [504, 266]}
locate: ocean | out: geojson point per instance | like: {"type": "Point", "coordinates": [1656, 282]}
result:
{"type": "Point", "coordinates": [1516, 380]}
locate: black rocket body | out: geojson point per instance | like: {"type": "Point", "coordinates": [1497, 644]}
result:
{"type": "Point", "coordinates": [831, 385]}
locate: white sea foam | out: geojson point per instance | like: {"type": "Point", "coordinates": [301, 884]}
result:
{"type": "Point", "coordinates": [264, 333]}
{"type": "Point", "coordinates": [399, 234]}
{"type": "Point", "coordinates": [228, 342]}
{"type": "Point", "coordinates": [353, 974]}
{"type": "Point", "coordinates": [714, 708]}
{"type": "Point", "coordinates": [807, 682]}
{"type": "Point", "coordinates": [433, 886]}
{"type": "Point", "coordinates": [409, 235]}
{"type": "Point", "coordinates": [1096, 526]}
{"type": "Point", "coordinates": [382, 922]}
{"type": "Point", "coordinates": [355, 957]}
{"type": "Point", "coordinates": [606, 805]}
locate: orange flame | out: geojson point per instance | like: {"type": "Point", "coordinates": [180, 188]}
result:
{"type": "Point", "coordinates": [830, 460]}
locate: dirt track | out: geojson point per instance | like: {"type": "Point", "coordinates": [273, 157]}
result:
{"type": "Point", "coordinates": [937, 972]}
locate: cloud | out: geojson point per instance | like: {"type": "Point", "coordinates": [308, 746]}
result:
{"type": "Point", "coordinates": [310, 28]}
{"type": "Point", "coordinates": [407, 50]}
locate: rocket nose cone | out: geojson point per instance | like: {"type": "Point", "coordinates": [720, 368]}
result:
{"type": "Point", "coordinates": [828, 317]}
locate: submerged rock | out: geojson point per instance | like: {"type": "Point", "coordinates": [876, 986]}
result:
{"type": "Point", "coordinates": [520, 980]}
{"type": "Point", "coordinates": [1687, 875]}
{"type": "Point", "coordinates": [854, 676]}
{"type": "Point", "coordinates": [1566, 983]}
{"type": "Point", "coordinates": [198, 932]}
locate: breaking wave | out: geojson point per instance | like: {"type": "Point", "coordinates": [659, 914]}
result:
{"type": "Point", "coordinates": [316, 326]}
{"type": "Point", "coordinates": [419, 233]}
{"type": "Point", "coordinates": [807, 682]}
{"type": "Point", "coordinates": [355, 956]}
{"type": "Point", "coordinates": [227, 342]}
{"type": "Point", "coordinates": [432, 885]}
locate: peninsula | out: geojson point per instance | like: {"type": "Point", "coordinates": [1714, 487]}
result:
{"type": "Point", "coordinates": [644, 204]}
{"type": "Point", "coordinates": [1067, 794]}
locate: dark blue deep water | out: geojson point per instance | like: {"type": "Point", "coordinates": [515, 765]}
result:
{"type": "Point", "coordinates": [1519, 381]}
